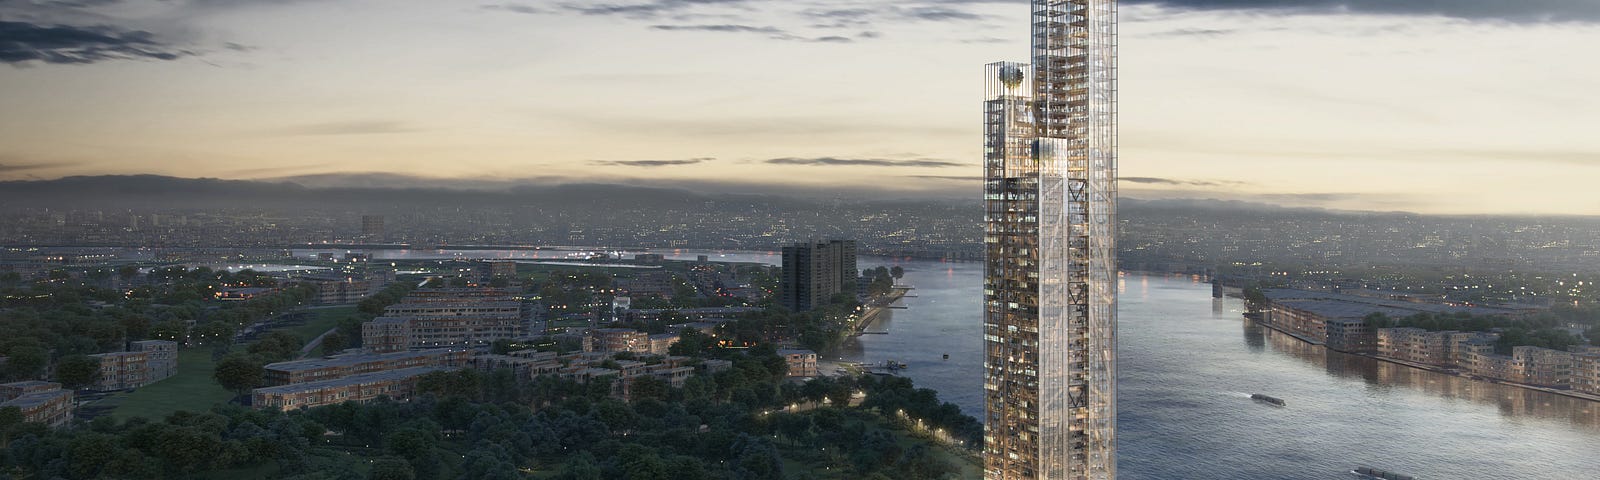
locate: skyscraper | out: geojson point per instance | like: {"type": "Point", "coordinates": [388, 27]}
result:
{"type": "Point", "coordinates": [372, 227]}
{"type": "Point", "coordinates": [816, 270]}
{"type": "Point", "coordinates": [1050, 169]}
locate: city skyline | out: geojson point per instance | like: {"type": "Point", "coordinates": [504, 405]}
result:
{"type": "Point", "coordinates": [1296, 103]}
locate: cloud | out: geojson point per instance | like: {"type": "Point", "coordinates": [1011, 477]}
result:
{"type": "Point", "coordinates": [863, 162]}
{"type": "Point", "coordinates": [861, 17]}
{"type": "Point", "coordinates": [358, 127]}
{"type": "Point", "coordinates": [650, 163]}
{"type": "Point", "coordinates": [719, 28]}
{"type": "Point", "coordinates": [650, 9]}
{"type": "Point", "coordinates": [936, 14]}
{"type": "Point", "coordinates": [774, 33]}
{"type": "Point", "coordinates": [516, 8]}
{"type": "Point", "coordinates": [951, 178]}
{"type": "Point", "coordinates": [1522, 11]}
{"type": "Point", "coordinates": [1188, 183]}
{"type": "Point", "coordinates": [1194, 33]}
{"type": "Point", "coordinates": [23, 167]}
{"type": "Point", "coordinates": [22, 42]}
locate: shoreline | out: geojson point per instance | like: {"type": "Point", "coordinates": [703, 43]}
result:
{"type": "Point", "coordinates": [1442, 370]}
{"type": "Point", "coordinates": [875, 307]}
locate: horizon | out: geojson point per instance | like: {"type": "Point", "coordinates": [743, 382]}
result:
{"type": "Point", "coordinates": [1379, 106]}
{"type": "Point", "coordinates": [514, 187]}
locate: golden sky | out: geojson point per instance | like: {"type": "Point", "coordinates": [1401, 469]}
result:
{"type": "Point", "coordinates": [1469, 110]}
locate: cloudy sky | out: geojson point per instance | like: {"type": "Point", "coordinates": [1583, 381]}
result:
{"type": "Point", "coordinates": [1459, 106]}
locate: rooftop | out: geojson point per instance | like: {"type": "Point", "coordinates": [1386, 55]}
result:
{"type": "Point", "coordinates": [36, 399]}
{"type": "Point", "coordinates": [361, 379]}
{"type": "Point", "coordinates": [354, 359]}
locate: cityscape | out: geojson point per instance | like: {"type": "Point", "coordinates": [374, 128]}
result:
{"type": "Point", "coordinates": [756, 240]}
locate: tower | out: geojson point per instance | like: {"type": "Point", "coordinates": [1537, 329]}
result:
{"type": "Point", "coordinates": [1050, 169]}
{"type": "Point", "coordinates": [814, 271]}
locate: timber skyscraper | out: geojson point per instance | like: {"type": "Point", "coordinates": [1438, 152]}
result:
{"type": "Point", "coordinates": [1050, 292]}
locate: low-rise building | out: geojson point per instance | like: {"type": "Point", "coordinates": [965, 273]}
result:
{"type": "Point", "coordinates": [802, 363]}
{"type": "Point", "coordinates": [1546, 367]}
{"type": "Point", "coordinates": [1349, 335]}
{"type": "Point", "coordinates": [398, 384]}
{"type": "Point", "coordinates": [1528, 365]}
{"type": "Point", "coordinates": [39, 402]}
{"type": "Point", "coordinates": [662, 342]}
{"type": "Point", "coordinates": [161, 357]}
{"type": "Point", "coordinates": [524, 365]}
{"type": "Point", "coordinates": [339, 366]}
{"type": "Point", "coordinates": [621, 340]}
{"type": "Point", "coordinates": [460, 318]}
{"type": "Point", "coordinates": [122, 370]}
{"type": "Point", "coordinates": [336, 288]}
{"type": "Point", "coordinates": [1442, 349]}
{"type": "Point", "coordinates": [1586, 369]}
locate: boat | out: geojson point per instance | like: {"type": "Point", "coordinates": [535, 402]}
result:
{"type": "Point", "coordinates": [1267, 399]}
{"type": "Point", "coordinates": [1375, 473]}
{"type": "Point", "coordinates": [946, 356]}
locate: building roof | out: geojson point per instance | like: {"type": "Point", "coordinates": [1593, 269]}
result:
{"type": "Point", "coordinates": [27, 384]}
{"type": "Point", "coordinates": [1338, 305]}
{"type": "Point", "coordinates": [361, 379]}
{"type": "Point", "coordinates": [119, 354]}
{"type": "Point", "coordinates": [36, 399]}
{"type": "Point", "coordinates": [794, 351]}
{"type": "Point", "coordinates": [354, 359]}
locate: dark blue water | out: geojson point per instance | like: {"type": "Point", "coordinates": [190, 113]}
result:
{"type": "Point", "coordinates": [1188, 364]}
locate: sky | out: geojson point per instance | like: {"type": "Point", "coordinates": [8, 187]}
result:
{"type": "Point", "coordinates": [1451, 107]}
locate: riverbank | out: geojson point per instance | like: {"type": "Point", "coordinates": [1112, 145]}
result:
{"type": "Point", "coordinates": [1442, 370]}
{"type": "Point", "coordinates": [875, 307]}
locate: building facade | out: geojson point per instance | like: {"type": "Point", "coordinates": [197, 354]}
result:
{"type": "Point", "coordinates": [1050, 169]}
{"type": "Point", "coordinates": [122, 370]}
{"type": "Point", "coordinates": [39, 402]}
{"type": "Point", "coordinates": [816, 270]}
{"type": "Point", "coordinates": [161, 357]}
{"type": "Point", "coordinates": [398, 384]}
{"type": "Point", "coordinates": [455, 318]}
{"type": "Point", "coordinates": [339, 366]}
{"type": "Point", "coordinates": [802, 363]}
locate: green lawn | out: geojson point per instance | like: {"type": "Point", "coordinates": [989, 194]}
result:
{"type": "Point", "coordinates": [190, 389]}
{"type": "Point", "coordinates": [323, 319]}
{"type": "Point", "coordinates": [193, 388]}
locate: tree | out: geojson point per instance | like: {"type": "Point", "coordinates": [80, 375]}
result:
{"type": "Point", "coordinates": [333, 343]}
{"type": "Point", "coordinates": [128, 272]}
{"type": "Point", "coordinates": [26, 361]}
{"type": "Point", "coordinates": [170, 330]}
{"type": "Point", "coordinates": [391, 468]}
{"type": "Point", "coordinates": [77, 371]}
{"type": "Point", "coordinates": [213, 332]}
{"type": "Point", "coordinates": [897, 272]}
{"type": "Point", "coordinates": [239, 372]}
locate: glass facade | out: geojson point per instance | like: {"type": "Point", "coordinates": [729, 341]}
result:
{"type": "Point", "coordinates": [1049, 287]}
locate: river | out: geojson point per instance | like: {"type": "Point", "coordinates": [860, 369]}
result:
{"type": "Point", "coordinates": [1188, 364]}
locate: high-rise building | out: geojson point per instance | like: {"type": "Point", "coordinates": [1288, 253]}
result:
{"type": "Point", "coordinates": [1050, 168]}
{"type": "Point", "coordinates": [816, 270]}
{"type": "Point", "coordinates": [372, 227]}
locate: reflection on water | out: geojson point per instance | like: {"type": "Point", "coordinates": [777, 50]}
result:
{"type": "Point", "coordinates": [1380, 376]}
{"type": "Point", "coordinates": [1185, 379]}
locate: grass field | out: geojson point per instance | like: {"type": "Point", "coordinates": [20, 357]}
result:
{"type": "Point", "coordinates": [190, 389]}
{"type": "Point", "coordinates": [322, 320]}
{"type": "Point", "coordinates": [193, 388]}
